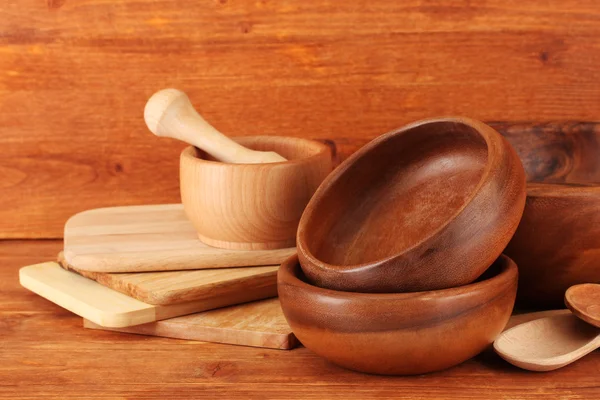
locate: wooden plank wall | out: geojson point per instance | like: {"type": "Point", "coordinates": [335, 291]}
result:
{"type": "Point", "coordinates": [75, 74]}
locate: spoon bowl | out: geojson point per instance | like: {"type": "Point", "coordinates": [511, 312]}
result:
{"type": "Point", "coordinates": [549, 343]}
{"type": "Point", "coordinates": [584, 301]}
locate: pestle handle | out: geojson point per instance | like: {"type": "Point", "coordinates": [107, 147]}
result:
{"type": "Point", "coordinates": [170, 113]}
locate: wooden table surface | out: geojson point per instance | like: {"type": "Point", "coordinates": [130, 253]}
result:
{"type": "Point", "coordinates": [45, 352]}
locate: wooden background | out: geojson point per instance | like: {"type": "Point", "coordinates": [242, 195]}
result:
{"type": "Point", "coordinates": [75, 74]}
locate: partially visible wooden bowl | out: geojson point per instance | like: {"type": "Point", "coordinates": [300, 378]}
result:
{"type": "Point", "coordinates": [398, 333]}
{"type": "Point", "coordinates": [557, 244]}
{"type": "Point", "coordinates": [252, 206]}
{"type": "Point", "coordinates": [428, 206]}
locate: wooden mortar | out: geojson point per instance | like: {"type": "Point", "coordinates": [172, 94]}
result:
{"type": "Point", "coordinates": [247, 193]}
{"type": "Point", "coordinates": [252, 206]}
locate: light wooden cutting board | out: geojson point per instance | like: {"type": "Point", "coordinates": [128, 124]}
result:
{"type": "Point", "coordinates": [258, 324]}
{"type": "Point", "coordinates": [172, 287]}
{"type": "Point", "coordinates": [109, 308]}
{"type": "Point", "coordinates": [149, 238]}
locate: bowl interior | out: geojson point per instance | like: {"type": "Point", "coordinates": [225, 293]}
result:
{"type": "Point", "coordinates": [397, 194]}
{"type": "Point", "coordinates": [560, 157]}
{"type": "Point", "coordinates": [288, 147]}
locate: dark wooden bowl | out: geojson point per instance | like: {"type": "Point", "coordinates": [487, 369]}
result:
{"type": "Point", "coordinates": [428, 206]}
{"type": "Point", "coordinates": [398, 333]}
{"type": "Point", "coordinates": [557, 243]}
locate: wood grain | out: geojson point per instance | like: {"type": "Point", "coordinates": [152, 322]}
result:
{"type": "Point", "coordinates": [45, 353]}
{"type": "Point", "coordinates": [258, 324]}
{"type": "Point", "coordinates": [107, 307]}
{"type": "Point", "coordinates": [173, 287]}
{"type": "Point", "coordinates": [84, 297]}
{"type": "Point", "coordinates": [557, 153]}
{"type": "Point", "coordinates": [150, 238]}
{"type": "Point", "coordinates": [76, 76]}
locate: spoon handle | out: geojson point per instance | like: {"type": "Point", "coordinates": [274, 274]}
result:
{"type": "Point", "coordinates": [170, 113]}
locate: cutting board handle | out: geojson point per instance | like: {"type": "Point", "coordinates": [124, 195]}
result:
{"type": "Point", "coordinates": [170, 113]}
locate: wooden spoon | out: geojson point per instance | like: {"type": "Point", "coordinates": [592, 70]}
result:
{"type": "Point", "coordinates": [170, 113]}
{"type": "Point", "coordinates": [584, 301]}
{"type": "Point", "coordinates": [547, 343]}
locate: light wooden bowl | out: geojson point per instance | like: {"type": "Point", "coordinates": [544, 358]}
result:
{"type": "Point", "coordinates": [252, 206]}
{"type": "Point", "coordinates": [557, 244]}
{"type": "Point", "coordinates": [398, 333]}
{"type": "Point", "coordinates": [428, 206]}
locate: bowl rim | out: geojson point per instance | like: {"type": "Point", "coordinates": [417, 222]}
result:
{"type": "Point", "coordinates": [288, 274]}
{"type": "Point", "coordinates": [554, 189]}
{"type": "Point", "coordinates": [187, 153]}
{"type": "Point", "coordinates": [496, 145]}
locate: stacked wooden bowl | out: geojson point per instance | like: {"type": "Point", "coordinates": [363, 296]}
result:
{"type": "Point", "coordinates": [399, 267]}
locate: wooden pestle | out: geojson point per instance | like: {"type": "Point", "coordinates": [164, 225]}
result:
{"type": "Point", "coordinates": [170, 113]}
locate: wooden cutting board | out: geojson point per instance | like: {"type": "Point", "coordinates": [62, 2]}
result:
{"type": "Point", "coordinates": [172, 287]}
{"type": "Point", "coordinates": [109, 308]}
{"type": "Point", "coordinates": [149, 238]}
{"type": "Point", "coordinates": [257, 324]}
